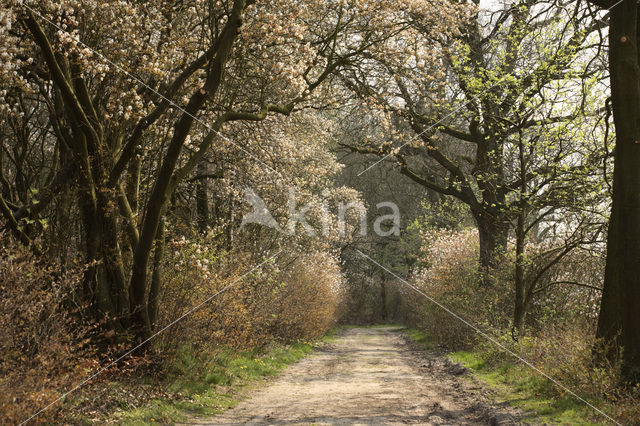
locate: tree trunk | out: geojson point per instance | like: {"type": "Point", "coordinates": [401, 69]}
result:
{"type": "Point", "coordinates": [156, 275]}
{"type": "Point", "coordinates": [162, 186]}
{"type": "Point", "coordinates": [619, 321]}
{"type": "Point", "coordinates": [519, 309]}
{"type": "Point", "coordinates": [91, 242]}
{"type": "Point", "coordinates": [492, 234]}
{"type": "Point", "coordinates": [202, 198]}
{"type": "Point", "coordinates": [113, 264]}
{"type": "Point", "coordinates": [383, 301]}
{"type": "Point", "coordinates": [133, 182]}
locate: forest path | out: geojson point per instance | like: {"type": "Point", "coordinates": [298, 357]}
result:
{"type": "Point", "coordinates": [370, 375]}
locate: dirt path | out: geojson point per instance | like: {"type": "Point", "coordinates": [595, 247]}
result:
{"type": "Point", "coordinates": [368, 376]}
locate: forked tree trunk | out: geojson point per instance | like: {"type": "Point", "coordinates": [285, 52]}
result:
{"type": "Point", "coordinates": [161, 191]}
{"type": "Point", "coordinates": [104, 278]}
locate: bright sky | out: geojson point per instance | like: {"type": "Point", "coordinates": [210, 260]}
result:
{"type": "Point", "coordinates": [488, 4]}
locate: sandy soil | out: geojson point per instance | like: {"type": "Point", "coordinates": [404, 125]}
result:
{"type": "Point", "coordinates": [369, 376]}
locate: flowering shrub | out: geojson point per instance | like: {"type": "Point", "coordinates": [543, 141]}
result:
{"type": "Point", "coordinates": [309, 303]}
{"type": "Point", "coordinates": [567, 290]}
{"type": "Point", "coordinates": [290, 297]}
{"type": "Point", "coordinates": [449, 275]}
{"type": "Point", "coordinates": [46, 346]}
{"type": "Point", "coordinates": [565, 293]}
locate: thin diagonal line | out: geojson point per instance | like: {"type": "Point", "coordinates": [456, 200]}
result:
{"type": "Point", "coordinates": [139, 80]}
{"type": "Point", "coordinates": [153, 336]}
{"type": "Point", "coordinates": [492, 340]}
{"type": "Point", "coordinates": [447, 116]}
{"type": "Point", "coordinates": [617, 3]}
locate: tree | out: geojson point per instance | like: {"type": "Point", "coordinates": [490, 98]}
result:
{"type": "Point", "coordinates": [117, 138]}
{"type": "Point", "coordinates": [562, 209]}
{"type": "Point", "coordinates": [369, 298]}
{"type": "Point", "coordinates": [619, 322]}
{"type": "Point", "coordinates": [457, 120]}
{"type": "Point", "coordinates": [100, 121]}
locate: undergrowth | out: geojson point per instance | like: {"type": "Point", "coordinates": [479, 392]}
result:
{"type": "Point", "coordinates": [558, 336]}
{"type": "Point", "coordinates": [52, 350]}
{"type": "Point", "coordinates": [519, 386]}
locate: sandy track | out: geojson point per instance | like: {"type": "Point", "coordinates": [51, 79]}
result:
{"type": "Point", "coordinates": [368, 376]}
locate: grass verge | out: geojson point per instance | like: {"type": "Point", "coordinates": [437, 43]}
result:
{"type": "Point", "coordinates": [518, 386]}
{"type": "Point", "coordinates": [201, 384]}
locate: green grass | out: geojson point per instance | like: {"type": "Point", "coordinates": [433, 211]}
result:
{"type": "Point", "coordinates": [519, 386]}
{"type": "Point", "coordinates": [332, 335]}
{"type": "Point", "coordinates": [206, 384]}
{"type": "Point", "coordinates": [419, 337]}
{"type": "Point", "coordinates": [522, 387]}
